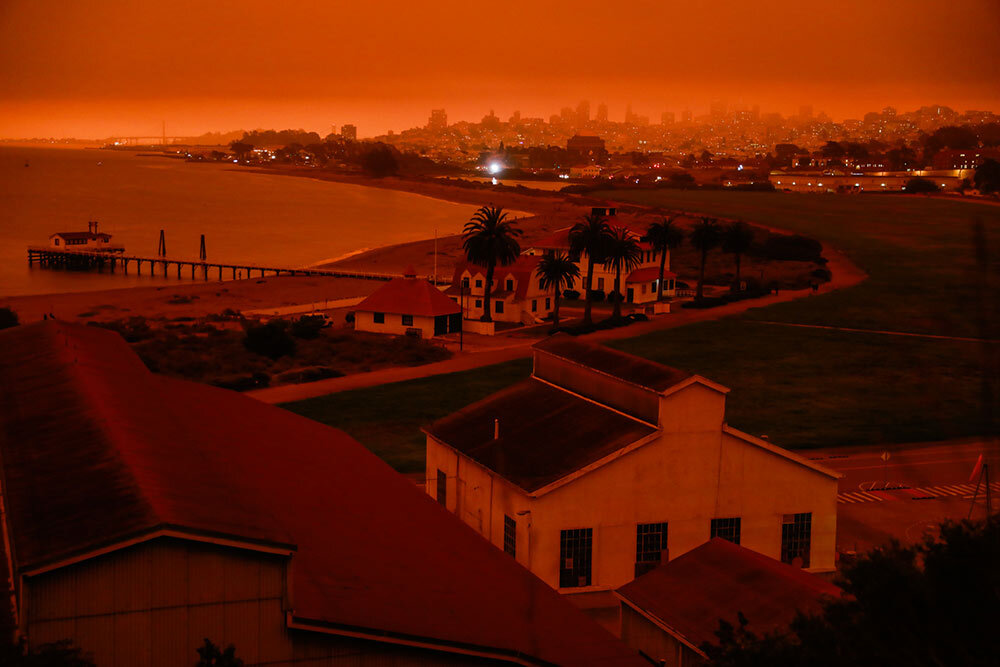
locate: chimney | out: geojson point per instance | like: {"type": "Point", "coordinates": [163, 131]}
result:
{"type": "Point", "coordinates": [496, 429]}
{"type": "Point", "coordinates": [95, 226]}
{"type": "Point", "coordinates": [90, 226]}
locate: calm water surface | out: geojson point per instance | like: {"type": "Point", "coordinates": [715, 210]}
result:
{"type": "Point", "coordinates": [246, 217]}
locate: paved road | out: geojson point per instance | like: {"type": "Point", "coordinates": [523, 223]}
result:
{"type": "Point", "coordinates": [935, 481]}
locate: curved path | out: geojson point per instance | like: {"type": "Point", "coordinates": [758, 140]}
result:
{"type": "Point", "coordinates": [845, 274]}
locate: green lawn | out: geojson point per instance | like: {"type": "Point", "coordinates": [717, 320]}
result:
{"type": "Point", "coordinates": [801, 387]}
{"type": "Point", "coordinates": [387, 418]}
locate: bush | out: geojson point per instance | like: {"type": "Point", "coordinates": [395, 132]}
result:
{"type": "Point", "coordinates": [349, 318]}
{"type": "Point", "coordinates": [270, 340]}
{"type": "Point", "coordinates": [571, 294]}
{"type": "Point", "coordinates": [612, 295]}
{"type": "Point", "coordinates": [792, 247]}
{"type": "Point", "coordinates": [596, 295]}
{"type": "Point", "coordinates": [920, 186]}
{"type": "Point", "coordinates": [133, 330]}
{"type": "Point", "coordinates": [308, 326]}
{"type": "Point", "coordinates": [822, 274]}
{"type": "Point", "coordinates": [8, 318]}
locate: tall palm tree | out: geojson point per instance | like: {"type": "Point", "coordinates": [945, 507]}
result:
{"type": "Point", "coordinates": [736, 238]}
{"type": "Point", "coordinates": [490, 239]}
{"type": "Point", "coordinates": [706, 235]}
{"type": "Point", "coordinates": [590, 236]}
{"type": "Point", "coordinates": [621, 254]}
{"type": "Point", "coordinates": [664, 236]}
{"type": "Point", "coordinates": [556, 271]}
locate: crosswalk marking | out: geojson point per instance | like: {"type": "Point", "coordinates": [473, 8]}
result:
{"type": "Point", "coordinates": [965, 490]}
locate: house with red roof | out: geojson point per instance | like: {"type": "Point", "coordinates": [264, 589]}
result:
{"type": "Point", "coordinates": [143, 514]}
{"type": "Point", "coordinates": [639, 286]}
{"type": "Point", "coordinates": [669, 613]}
{"type": "Point", "coordinates": [517, 291]}
{"type": "Point", "coordinates": [591, 469]}
{"type": "Point", "coordinates": [408, 305]}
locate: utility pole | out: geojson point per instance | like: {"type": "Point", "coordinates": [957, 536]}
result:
{"type": "Point", "coordinates": [164, 133]}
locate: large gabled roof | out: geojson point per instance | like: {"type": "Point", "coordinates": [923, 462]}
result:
{"type": "Point", "coordinates": [546, 433]}
{"type": "Point", "coordinates": [409, 296]}
{"type": "Point", "coordinates": [718, 580]}
{"type": "Point", "coordinates": [621, 365]}
{"type": "Point", "coordinates": [96, 452]}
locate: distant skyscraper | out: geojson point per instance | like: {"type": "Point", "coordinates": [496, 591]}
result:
{"type": "Point", "coordinates": [438, 120]}
{"type": "Point", "coordinates": [349, 132]}
{"type": "Point", "coordinates": [583, 112]}
{"type": "Point", "coordinates": [602, 112]}
{"type": "Point", "coordinates": [687, 116]}
{"type": "Point", "coordinates": [515, 118]}
{"type": "Point", "coordinates": [667, 118]}
{"type": "Point", "coordinates": [629, 116]}
{"type": "Point", "coordinates": [567, 114]}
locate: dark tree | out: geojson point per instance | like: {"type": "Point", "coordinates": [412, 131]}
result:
{"type": "Point", "coordinates": [241, 149]}
{"type": "Point", "coordinates": [490, 239]}
{"type": "Point", "coordinates": [591, 235]}
{"type": "Point", "coordinates": [705, 236]}
{"type": "Point", "coordinates": [8, 318]}
{"type": "Point", "coordinates": [920, 186]}
{"type": "Point", "coordinates": [379, 162]}
{"type": "Point", "coordinates": [557, 272]}
{"type": "Point", "coordinates": [209, 655]}
{"type": "Point", "coordinates": [56, 654]}
{"type": "Point", "coordinates": [270, 340]}
{"type": "Point", "coordinates": [931, 604]}
{"type": "Point", "coordinates": [987, 178]}
{"type": "Point", "coordinates": [664, 236]}
{"type": "Point", "coordinates": [736, 239]}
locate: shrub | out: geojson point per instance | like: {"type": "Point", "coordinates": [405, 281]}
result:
{"type": "Point", "coordinates": [133, 330]}
{"type": "Point", "coordinates": [308, 326]}
{"type": "Point", "coordinates": [349, 318]}
{"type": "Point", "coordinates": [822, 274]}
{"type": "Point", "coordinates": [612, 295]}
{"type": "Point", "coordinates": [920, 186]}
{"type": "Point", "coordinates": [269, 340]}
{"type": "Point", "coordinates": [596, 295]}
{"type": "Point", "coordinates": [571, 294]}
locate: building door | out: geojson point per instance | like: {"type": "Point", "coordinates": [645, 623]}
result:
{"type": "Point", "coordinates": [455, 323]}
{"type": "Point", "coordinates": [440, 325]}
{"type": "Point", "coordinates": [575, 557]}
{"type": "Point", "coordinates": [631, 295]}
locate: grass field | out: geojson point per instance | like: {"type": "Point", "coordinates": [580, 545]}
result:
{"type": "Point", "coordinates": [802, 387]}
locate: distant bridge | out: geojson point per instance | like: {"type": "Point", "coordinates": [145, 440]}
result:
{"type": "Point", "coordinates": [159, 140]}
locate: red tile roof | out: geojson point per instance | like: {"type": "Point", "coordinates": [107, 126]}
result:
{"type": "Point", "coordinates": [648, 275]}
{"type": "Point", "coordinates": [621, 365]}
{"type": "Point", "coordinates": [95, 450]}
{"type": "Point", "coordinates": [545, 433]}
{"type": "Point", "coordinates": [718, 580]}
{"type": "Point", "coordinates": [409, 296]}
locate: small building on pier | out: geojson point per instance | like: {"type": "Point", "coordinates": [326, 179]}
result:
{"type": "Point", "coordinates": [89, 240]}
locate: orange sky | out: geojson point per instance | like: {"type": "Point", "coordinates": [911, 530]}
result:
{"type": "Point", "coordinates": [103, 67]}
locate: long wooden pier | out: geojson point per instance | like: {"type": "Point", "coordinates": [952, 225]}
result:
{"type": "Point", "coordinates": [50, 257]}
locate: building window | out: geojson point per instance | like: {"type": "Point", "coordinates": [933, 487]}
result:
{"type": "Point", "coordinates": [574, 557]}
{"type": "Point", "coordinates": [57, 241]}
{"type": "Point", "coordinates": [498, 306]}
{"type": "Point", "coordinates": [510, 536]}
{"type": "Point", "coordinates": [378, 318]}
{"type": "Point", "coordinates": [479, 282]}
{"type": "Point", "coordinates": [541, 287]}
{"type": "Point", "coordinates": [465, 283]}
{"type": "Point", "coordinates": [600, 284]}
{"type": "Point", "coordinates": [534, 305]}
{"type": "Point", "coordinates": [548, 303]}
{"type": "Point", "coordinates": [407, 320]}
{"type": "Point", "coordinates": [727, 529]}
{"type": "Point", "coordinates": [510, 285]}
{"type": "Point", "coordinates": [650, 543]}
{"type": "Point", "coordinates": [796, 534]}
{"type": "Point", "coordinates": [442, 490]}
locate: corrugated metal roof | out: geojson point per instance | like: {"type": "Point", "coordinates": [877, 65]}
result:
{"type": "Point", "coordinates": [545, 433]}
{"type": "Point", "coordinates": [719, 579]}
{"type": "Point", "coordinates": [95, 449]}
{"type": "Point", "coordinates": [627, 367]}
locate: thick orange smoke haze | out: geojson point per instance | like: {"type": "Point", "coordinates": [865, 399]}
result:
{"type": "Point", "coordinates": [102, 67]}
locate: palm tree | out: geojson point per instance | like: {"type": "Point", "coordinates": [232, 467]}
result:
{"type": "Point", "coordinates": [589, 236]}
{"type": "Point", "coordinates": [736, 238]}
{"type": "Point", "coordinates": [664, 236]}
{"type": "Point", "coordinates": [556, 271]}
{"type": "Point", "coordinates": [706, 235]}
{"type": "Point", "coordinates": [490, 239]}
{"type": "Point", "coordinates": [621, 254]}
